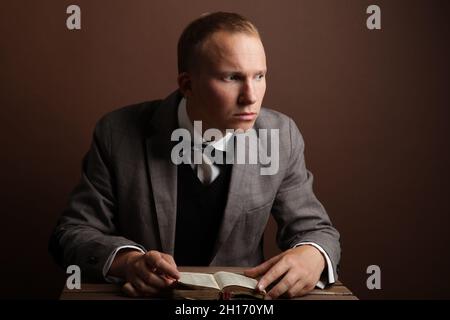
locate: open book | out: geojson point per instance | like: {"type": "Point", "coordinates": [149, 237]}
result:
{"type": "Point", "coordinates": [220, 285]}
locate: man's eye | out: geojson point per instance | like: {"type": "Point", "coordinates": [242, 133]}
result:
{"type": "Point", "coordinates": [231, 78]}
{"type": "Point", "coordinates": [260, 76]}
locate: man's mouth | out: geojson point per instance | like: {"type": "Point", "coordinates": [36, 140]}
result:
{"type": "Point", "coordinates": [245, 116]}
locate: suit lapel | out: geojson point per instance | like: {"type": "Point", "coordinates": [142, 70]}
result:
{"type": "Point", "coordinates": [234, 207]}
{"type": "Point", "coordinates": [241, 175]}
{"type": "Point", "coordinates": [163, 173]}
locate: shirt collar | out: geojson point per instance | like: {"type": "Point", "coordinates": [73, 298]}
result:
{"type": "Point", "coordinates": [186, 123]}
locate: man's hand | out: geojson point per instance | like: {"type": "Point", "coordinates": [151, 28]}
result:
{"type": "Point", "coordinates": [146, 274]}
{"type": "Point", "coordinates": [300, 269]}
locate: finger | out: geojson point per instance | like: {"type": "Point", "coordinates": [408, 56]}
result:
{"type": "Point", "coordinates": [289, 280]}
{"type": "Point", "coordinates": [167, 269]}
{"type": "Point", "coordinates": [262, 268]}
{"type": "Point", "coordinates": [129, 290]}
{"type": "Point", "coordinates": [152, 279]}
{"type": "Point", "coordinates": [305, 290]}
{"type": "Point", "coordinates": [168, 280]}
{"type": "Point", "coordinates": [157, 263]}
{"type": "Point", "coordinates": [170, 260]}
{"type": "Point", "coordinates": [296, 290]}
{"type": "Point", "coordinates": [143, 289]}
{"type": "Point", "coordinates": [273, 274]}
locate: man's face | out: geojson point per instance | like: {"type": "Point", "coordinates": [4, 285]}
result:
{"type": "Point", "coordinates": [228, 83]}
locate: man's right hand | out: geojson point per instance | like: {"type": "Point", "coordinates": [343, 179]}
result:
{"type": "Point", "coordinates": [145, 274]}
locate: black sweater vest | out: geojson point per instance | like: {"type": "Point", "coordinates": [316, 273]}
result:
{"type": "Point", "coordinates": [200, 211]}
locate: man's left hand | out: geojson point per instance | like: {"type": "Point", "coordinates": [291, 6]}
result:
{"type": "Point", "coordinates": [298, 269]}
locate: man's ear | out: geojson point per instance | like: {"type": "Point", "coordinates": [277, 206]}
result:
{"type": "Point", "coordinates": [185, 84]}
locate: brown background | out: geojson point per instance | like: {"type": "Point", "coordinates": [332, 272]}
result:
{"type": "Point", "coordinates": [373, 107]}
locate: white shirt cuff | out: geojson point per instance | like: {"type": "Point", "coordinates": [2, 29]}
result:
{"type": "Point", "coordinates": [110, 260]}
{"type": "Point", "coordinates": [322, 282]}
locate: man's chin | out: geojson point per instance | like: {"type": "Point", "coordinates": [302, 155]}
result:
{"type": "Point", "coordinates": [241, 125]}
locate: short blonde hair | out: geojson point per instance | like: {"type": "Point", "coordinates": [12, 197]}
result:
{"type": "Point", "coordinates": [195, 34]}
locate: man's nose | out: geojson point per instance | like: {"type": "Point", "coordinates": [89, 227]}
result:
{"type": "Point", "coordinates": [248, 94]}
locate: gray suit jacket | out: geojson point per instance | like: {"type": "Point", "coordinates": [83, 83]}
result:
{"type": "Point", "coordinates": [127, 195]}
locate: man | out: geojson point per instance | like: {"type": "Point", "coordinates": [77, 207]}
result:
{"type": "Point", "coordinates": [136, 216]}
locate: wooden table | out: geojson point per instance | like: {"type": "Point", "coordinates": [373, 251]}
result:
{"type": "Point", "coordinates": [108, 291]}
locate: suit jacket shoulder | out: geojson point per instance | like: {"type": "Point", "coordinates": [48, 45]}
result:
{"type": "Point", "coordinates": [130, 119]}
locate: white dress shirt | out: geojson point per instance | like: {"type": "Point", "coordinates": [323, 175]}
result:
{"type": "Point", "coordinates": [207, 171]}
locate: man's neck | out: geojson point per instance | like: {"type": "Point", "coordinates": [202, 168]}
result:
{"type": "Point", "coordinates": [194, 116]}
{"type": "Point", "coordinates": [185, 121]}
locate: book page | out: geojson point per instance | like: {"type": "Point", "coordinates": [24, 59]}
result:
{"type": "Point", "coordinates": [225, 279]}
{"type": "Point", "coordinates": [198, 279]}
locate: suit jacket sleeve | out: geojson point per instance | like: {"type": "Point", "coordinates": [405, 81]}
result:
{"type": "Point", "coordinates": [86, 233]}
{"type": "Point", "coordinates": [299, 215]}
